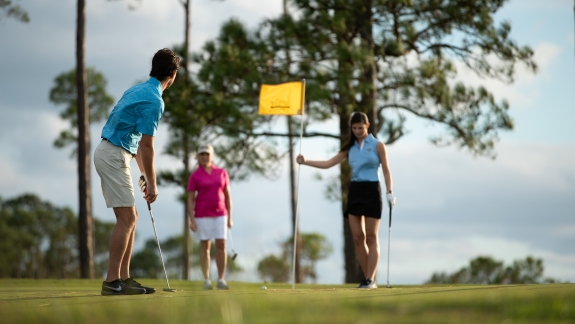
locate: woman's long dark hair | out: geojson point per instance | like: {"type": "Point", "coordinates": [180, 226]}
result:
{"type": "Point", "coordinates": [356, 117]}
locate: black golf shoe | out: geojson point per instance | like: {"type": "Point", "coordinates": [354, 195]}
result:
{"type": "Point", "coordinates": [118, 287]}
{"type": "Point", "coordinates": [362, 284]}
{"type": "Point", "coordinates": [367, 283]}
{"type": "Point", "coordinates": [134, 284]}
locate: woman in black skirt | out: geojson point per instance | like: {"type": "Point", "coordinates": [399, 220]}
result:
{"type": "Point", "coordinates": [364, 204]}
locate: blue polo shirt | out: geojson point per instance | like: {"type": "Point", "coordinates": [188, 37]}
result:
{"type": "Point", "coordinates": [138, 112]}
{"type": "Point", "coordinates": [364, 161]}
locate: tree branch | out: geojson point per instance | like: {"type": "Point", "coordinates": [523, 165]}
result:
{"type": "Point", "coordinates": [314, 134]}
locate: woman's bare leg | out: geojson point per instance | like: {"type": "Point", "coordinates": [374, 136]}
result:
{"type": "Point", "coordinates": [221, 257]}
{"type": "Point", "coordinates": [372, 242]}
{"type": "Point", "coordinates": [205, 246]}
{"type": "Point", "coordinates": [357, 226]}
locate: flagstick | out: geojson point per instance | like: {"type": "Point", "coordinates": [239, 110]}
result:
{"type": "Point", "coordinates": [297, 193]}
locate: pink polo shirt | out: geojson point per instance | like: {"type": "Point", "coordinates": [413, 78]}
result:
{"type": "Point", "coordinates": [211, 198]}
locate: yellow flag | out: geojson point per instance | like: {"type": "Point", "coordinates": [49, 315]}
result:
{"type": "Point", "coordinates": [282, 99]}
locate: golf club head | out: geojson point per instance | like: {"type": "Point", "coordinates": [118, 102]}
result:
{"type": "Point", "coordinates": [169, 289]}
{"type": "Point", "coordinates": [388, 286]}
{"type": "Point", "coordinates": [234, 256]}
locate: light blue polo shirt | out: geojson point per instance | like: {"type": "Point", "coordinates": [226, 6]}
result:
{"type": "Point", "coordinates": [364, 162]}
{"type": "Point", "coordinates": [138, 112]}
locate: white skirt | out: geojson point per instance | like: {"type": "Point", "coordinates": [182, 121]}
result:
{"type": "Point", "coordinates": [212, 228]}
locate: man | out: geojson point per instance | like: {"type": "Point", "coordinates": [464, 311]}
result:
{"type": "Point", "coordinates": [129, 132]}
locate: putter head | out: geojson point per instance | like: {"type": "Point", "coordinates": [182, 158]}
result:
{"type": "Point", "coordinates": [234, 256]}
{"type": "Point", "coordinates": [169, 289]}
{"type": "Point", "coordinates": [388, 286]}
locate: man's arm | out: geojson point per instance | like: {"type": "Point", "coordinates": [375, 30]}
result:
{"type": "Point", "coordinates": [145, 159]}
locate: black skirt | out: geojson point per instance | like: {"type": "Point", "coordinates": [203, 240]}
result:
{"type": "Point", "coordinates": [364, 199]}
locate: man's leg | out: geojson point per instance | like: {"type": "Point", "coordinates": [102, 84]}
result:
{"type": "Point", "coordinates": [125, 265]}
{"type": "Point", "coordinates": [123, 232]}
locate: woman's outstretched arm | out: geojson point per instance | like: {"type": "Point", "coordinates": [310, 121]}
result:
{"type": "Point", "coordinates": [336, 159]}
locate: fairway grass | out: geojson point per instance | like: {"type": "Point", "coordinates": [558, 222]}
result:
{"type": "Point", "coordinates": [79, 301]}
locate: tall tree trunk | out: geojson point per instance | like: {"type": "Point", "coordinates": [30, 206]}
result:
{"type": "Point", "coordinates": [353, 272]}
{"type": "Point", "coordinates": [368, 97]}
{"type": "Point", "coordinates": [85, 221]}
{"type": "Point", "coordinates": [293, 195]}
{"type": "Point", "coordinates": [187, 242]}
{"type": "Point", "coordinates": [293, 190]}
{"type": "Point", "coordinates": [346, 105]}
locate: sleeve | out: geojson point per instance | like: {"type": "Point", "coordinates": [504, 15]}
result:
{"type": "Point", "coordinates": [150, 113]}
{"type": "Point", "coordinates": [192, 186]}
{"type": "Point", "coordinates": [226, 179]}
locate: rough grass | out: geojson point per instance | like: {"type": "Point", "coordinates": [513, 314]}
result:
{"type": "Point", "coordinates": [79, 301]}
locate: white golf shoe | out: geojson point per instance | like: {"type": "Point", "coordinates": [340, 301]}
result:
{"type": "Point", "coordinates": [208, 285]}
{"type": "Point", "coordinates": [222, 285]}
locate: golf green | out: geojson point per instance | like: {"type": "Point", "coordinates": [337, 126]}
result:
{"type": "Point", "coordinates": [79, 301]}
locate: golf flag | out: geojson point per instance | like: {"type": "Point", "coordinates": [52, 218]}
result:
{"type": "Point", "coordinates": [282, 99]}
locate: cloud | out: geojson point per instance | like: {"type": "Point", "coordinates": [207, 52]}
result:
{"type": "Point", "coordinates": [525, 90]}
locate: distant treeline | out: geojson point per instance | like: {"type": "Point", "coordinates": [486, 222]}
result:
{"type": "Point", "coordinates": [39, 240]}
{"type": "Point", "coordinates": [487, 271]}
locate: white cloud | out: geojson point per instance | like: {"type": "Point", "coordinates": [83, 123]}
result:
{"type": "Point", "coordinates": [525, 90]}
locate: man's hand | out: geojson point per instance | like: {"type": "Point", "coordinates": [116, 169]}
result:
{"type": "Point", "coordinates": [390, 199]}
{"type": "Point", "coordinates": [151, 193]}
{"type": "Point", "coordinates": [142, 183]}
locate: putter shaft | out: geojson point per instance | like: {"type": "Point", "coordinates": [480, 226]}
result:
{"type": "Point", "coordinates": [160, 250]}
{"type": "Point", "coordinates": [388, 245]}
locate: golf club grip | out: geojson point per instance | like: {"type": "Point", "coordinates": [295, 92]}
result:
{"type": "Point", "coordinates": [390, 207]}
{"type": "Point", "coordinates": [149, 207]}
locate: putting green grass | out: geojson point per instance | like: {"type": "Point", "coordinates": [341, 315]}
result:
{"type": "Point", "coordinates": [79, 301]}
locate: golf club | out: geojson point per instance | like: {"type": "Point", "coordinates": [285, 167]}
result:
{"type": "Point", "coordinates": [388, 244]}
{"type": "Point", "coordinates": [234, 255]}
{"type": "Point", "coordinates": [160, 249]}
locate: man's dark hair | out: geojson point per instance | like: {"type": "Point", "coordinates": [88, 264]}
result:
{"type": "Point", "coordinates": [164, 64]}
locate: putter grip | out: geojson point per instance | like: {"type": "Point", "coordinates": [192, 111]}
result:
{"type": "Point", "coordinates": [149, 207]}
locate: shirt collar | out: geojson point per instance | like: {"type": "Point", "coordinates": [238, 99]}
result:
{"type": "Point", "coordinates": [214, 167]}
{"type": "Point", "coordinates": [155, 82]}
{"type": "Point", "coordinates": [368, 139]}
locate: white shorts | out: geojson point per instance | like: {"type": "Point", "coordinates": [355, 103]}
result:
{"type": "Point", "coordinates": [212, 227]}
{"type": "Point", "coordinates": [113, 166]}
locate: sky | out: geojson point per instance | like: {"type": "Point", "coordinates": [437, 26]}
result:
{"type": "Point", "coordinates": [451, 206]}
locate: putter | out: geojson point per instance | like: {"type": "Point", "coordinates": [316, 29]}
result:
{"type": "Point", "coordinates": [388, 243]}
{"type": "Point", "coordinates": [160, 249]}
{"type": "Point", "coordinates": [234, 255]}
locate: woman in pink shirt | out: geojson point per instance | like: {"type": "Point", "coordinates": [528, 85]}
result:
{"type": "Point", "coordinates": [210, 208]}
